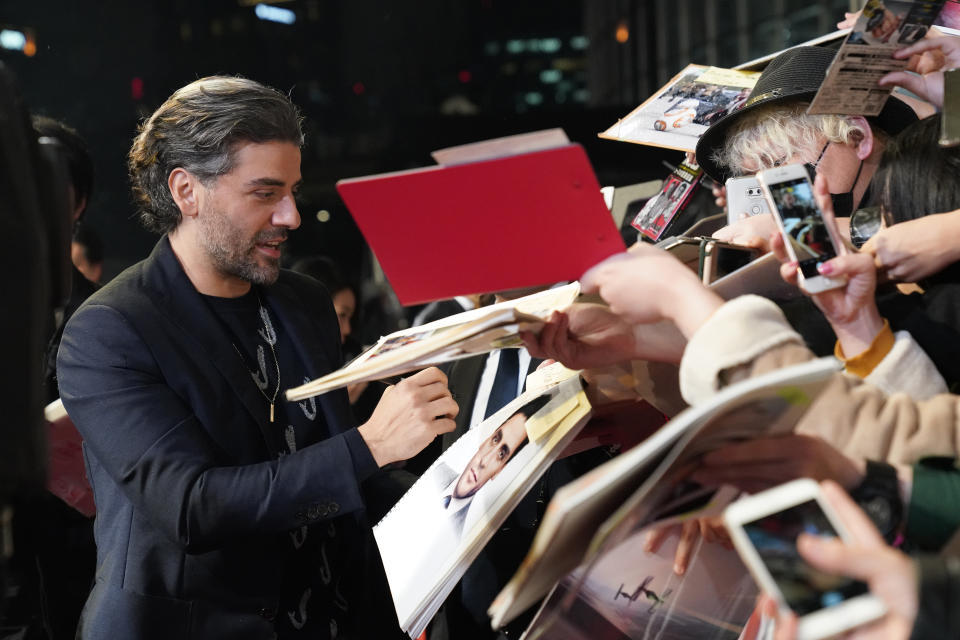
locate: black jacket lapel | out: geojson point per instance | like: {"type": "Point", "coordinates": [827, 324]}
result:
{"type": "Point", "coordinates": [178, 300]}
{"type": "Point", "coordinates": [313, 345]}
{"type": "Point", "coordinates": [464, 378]}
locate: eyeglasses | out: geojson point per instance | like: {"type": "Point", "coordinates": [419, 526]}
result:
{"type": "Point", "coordinates": [812, 166]}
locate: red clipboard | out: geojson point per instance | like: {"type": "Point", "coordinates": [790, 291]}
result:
{"type": "Point", "coordinates": [494, 225]}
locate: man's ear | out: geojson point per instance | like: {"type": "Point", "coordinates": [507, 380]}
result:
{"type": "Point", "coordinates": [865, 145]}
{"type": "Point", "coordinates": [185, 190]}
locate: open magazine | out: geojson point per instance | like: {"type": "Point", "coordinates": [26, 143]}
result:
{"type": "Point", "coordinates": [633, 592]}
{"type": "Point", "coordinates": [457, 336]}
{"type": "Point", "coordinates": [436, 530]}
{"type": "Point", "coordinates": [602, 508]}
{"type": "Point", "coordinates": [677, 115]}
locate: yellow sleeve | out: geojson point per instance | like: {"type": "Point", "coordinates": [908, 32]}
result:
{"type": "Point", "coordinates": [863, 363]}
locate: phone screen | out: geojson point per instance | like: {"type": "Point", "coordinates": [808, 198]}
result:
{"type": "Point", "coordinates": [804, 588]}
{"type": "Point", "coordinates": [803, 222]}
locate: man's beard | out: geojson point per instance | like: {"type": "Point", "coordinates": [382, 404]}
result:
{"type": "Point", "coordinates": [235, 255]}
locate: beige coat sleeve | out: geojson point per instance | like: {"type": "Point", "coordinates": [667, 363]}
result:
{"type": "Point", "coordinates": [749, 336]}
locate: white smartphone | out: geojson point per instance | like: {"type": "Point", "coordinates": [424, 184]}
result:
{"type": "Point", "coordinates": [745, 198]}
{"type": "Point", "coordinates": [764, 529]}
{"type": "Point", "coordinates": [790, 195]}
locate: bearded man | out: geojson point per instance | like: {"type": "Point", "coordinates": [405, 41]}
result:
{"type": "Point", "coordinates": [223, 511]}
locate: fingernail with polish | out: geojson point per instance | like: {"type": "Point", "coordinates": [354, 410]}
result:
{"type": "Point", "coordinates": [825, 268]}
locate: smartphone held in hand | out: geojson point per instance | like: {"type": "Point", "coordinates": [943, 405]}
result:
{"type": "Point", "coordinates": [790, 196]}
{"type": "Point", "coordinates": [764, 529]}
{"type": "Point", "coordinates": [744, 199]}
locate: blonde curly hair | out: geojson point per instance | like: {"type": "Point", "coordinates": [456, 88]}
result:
{"type": "Point", "coordinates": [768, 135]}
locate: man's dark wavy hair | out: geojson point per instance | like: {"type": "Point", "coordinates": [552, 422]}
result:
{"type": "Point", "coordinates": [198, 129]}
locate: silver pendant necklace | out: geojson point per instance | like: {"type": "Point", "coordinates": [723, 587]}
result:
{"type": "Point", "coordinates": [270, 337]}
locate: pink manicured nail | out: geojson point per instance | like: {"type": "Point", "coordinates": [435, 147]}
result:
{"type": "Point", "coordinates": [825, 268]}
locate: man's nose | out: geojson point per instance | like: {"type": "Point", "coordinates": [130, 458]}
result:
{"type": "Point", "coordinates": [487, 458]}
{"type": "Point", "coordinates": [286, 214]}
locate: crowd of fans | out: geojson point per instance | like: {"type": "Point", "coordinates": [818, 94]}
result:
{"type": "Point", "coordinates": [167, 516]}
{"type": "Point", "coordinates": [892, 408]}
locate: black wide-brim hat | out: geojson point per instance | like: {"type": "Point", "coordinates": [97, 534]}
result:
{"type": "Point", "coordinates": [795, 74]}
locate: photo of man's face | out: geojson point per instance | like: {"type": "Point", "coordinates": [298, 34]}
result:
{"type": "Point", "coordinates": [492, 456]}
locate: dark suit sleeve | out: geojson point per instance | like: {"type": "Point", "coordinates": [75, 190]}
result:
{"type": "Point", "coordinates": [148, 441]}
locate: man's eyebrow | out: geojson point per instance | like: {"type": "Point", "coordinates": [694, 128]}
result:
{"type": "Point", "coordinates": [271, 182]}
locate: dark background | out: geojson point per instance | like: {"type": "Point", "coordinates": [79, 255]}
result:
{"type": "Point", "coordinates": [382, 83]}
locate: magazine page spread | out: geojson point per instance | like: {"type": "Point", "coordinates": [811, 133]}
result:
{"type": "Point", "coordinates": [633, 592]}
{"type": "Point", "coordinates": [457, 336]}
{"type": "Point", "coordinates": [770, 404]}
{"type": "Point", "coordinates": [532, 308]}
{"type": "Point", "coordinates": [439, 526]}
{"type": "Point", "coordinates": [850, 86]}
{"type": "Point", "coordinates": [603, 507]}
{"type": "Point", "coordinates": [677, 115]}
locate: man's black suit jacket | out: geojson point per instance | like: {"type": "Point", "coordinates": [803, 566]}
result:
{"type": "Point", "coordinates": [192, 504]}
